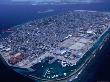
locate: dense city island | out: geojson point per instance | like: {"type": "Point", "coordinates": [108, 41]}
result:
{"type": "Point", "coordinates": [56, 47]}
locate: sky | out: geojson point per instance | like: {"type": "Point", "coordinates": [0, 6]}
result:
{"type": "Point", "coordinates": [57, 0]}
{"type": "Point", "coordinates": [88, 1]}
{"type": "Point", "coordinates": [50, 0]}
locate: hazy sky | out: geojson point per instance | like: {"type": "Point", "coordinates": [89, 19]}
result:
{"type": "Point", "coordinates": [59, 0]}
{"type": "Point", "coordinates": [56, 0]}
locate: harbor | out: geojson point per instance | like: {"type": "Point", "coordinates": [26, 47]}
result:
{"type": "Point", "coordinates": [57, 47]}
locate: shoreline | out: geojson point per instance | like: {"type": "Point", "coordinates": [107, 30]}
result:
{"type": "Point", "coordinates": [93, 49]}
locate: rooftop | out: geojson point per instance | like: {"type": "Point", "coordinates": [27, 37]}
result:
{"type": "Point", "coordinates": [65, 37]}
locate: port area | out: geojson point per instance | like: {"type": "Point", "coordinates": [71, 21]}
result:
{"type": "Point", "coordinates": [74, 71]}
{"type": "Point", "coordinates": [56, 47]}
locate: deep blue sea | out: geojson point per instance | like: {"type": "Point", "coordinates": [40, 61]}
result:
{"type": "Point", "coordinates": [11, 15]}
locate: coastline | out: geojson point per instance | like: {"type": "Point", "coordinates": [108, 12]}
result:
{"type": "Point", "coordinates": [93, 50]}
{"type": "Point", "coordinates": [97, 44]}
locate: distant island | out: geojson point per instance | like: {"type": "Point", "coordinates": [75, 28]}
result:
{"type": "Point", "coordinates": [44, 2]}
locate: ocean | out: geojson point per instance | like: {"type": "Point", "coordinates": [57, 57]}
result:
{"type": "Point", "coordinates": [11, 15]}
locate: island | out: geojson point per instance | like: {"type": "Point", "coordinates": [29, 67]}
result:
{"type": "Point", "coordinates": [56, 48]}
